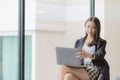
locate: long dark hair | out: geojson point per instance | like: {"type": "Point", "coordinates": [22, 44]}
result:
{"type": "Point", "coordinates": [97, 30]}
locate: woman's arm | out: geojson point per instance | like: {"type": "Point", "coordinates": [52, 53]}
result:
{"type": "Point", "coordinates": [100, 52]}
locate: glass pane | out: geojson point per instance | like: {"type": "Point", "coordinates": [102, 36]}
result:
{"type": "Point", "coordinates": [9, 41]}
{"type": "Point", "coordinates": [30, 21]}
{"type": "Point", "coordinates": [0, 58]}
{"type": "Point", "coordinates": [8, 45]}
{"type": "Point", "coordinates": [28, 57]}
{"type": "Point", "coordinates": [9, 57]}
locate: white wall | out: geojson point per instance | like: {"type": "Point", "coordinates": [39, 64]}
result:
{"type": "Point", "coordinates": [112, 30]}
{"type": "Point", "coordinates": [50, 15]}
{"type": "Point", "coordinates": [46, 65]}
{"type": "Point", "coordinates": [76, 13]}
{"type": "Point", "coordinates": [50, 27]}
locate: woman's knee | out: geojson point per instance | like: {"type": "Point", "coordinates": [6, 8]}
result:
{"type": "Point", "coordinates": [68, 76]}
{"type": "Point", "coordinates": [63, 69]}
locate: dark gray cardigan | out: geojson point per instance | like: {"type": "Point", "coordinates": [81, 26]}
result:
{"type": "Point", "coordinates": [99, 60]}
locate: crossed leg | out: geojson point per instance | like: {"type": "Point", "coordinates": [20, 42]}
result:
{"type": "Point", "coordinates": [70, 76]}
{"type": "Point", "coordinates": [71, 73]}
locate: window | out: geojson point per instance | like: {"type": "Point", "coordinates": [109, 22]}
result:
{"type": "Point", "coordinates": [9, 57]}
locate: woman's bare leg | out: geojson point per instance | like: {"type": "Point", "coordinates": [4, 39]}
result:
{"type": "Point", "coordinates": [70, 76]}
{"type": "Point", "coordinates": [80, 73]}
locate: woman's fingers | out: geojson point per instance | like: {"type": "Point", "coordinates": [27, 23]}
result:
{"type": "Point", "coordinates": [79, 55]}
{"type": "Point", "coordinates": [82, 54]}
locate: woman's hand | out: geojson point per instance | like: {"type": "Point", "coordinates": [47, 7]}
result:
{"type": "Point", "coordinates": [82, 54]}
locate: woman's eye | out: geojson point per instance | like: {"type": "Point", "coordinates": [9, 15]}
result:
{"type": "Point", "coordinates": [88, 26]}
{"type": "Point", "coordinates": [93, 27]}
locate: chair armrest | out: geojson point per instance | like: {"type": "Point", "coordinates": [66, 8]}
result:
{"type": "Point", "coordinates": [100, 77]}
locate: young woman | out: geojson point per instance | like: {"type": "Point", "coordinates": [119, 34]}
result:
{"type": "Point", "coordinates": [92, 52]}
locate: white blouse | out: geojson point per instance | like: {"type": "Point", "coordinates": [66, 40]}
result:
{"type": "Point", "coordinates": [90, 50]}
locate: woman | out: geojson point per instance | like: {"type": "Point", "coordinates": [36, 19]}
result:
{"type": "Point", "coordinates": [92, 52]}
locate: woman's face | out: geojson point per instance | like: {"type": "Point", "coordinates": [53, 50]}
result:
{"type": "Point", "coordinates": [90, 28]}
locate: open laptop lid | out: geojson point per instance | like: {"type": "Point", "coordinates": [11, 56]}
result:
{"type": "Point", "coordinates": [67, 56]}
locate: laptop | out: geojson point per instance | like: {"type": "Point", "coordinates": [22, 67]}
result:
{"type": "Point", "coordinates": [67, 56]}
